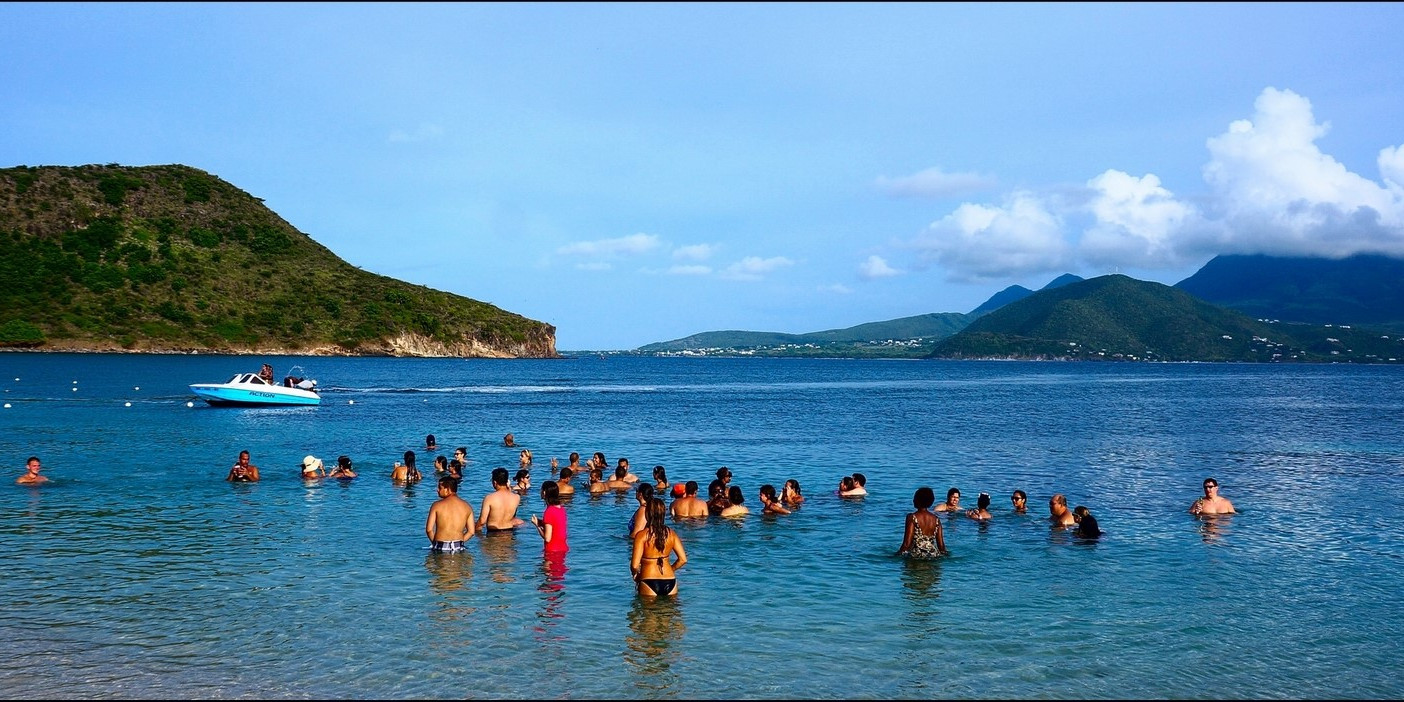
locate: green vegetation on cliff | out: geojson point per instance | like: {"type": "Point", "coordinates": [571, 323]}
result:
{"type": "Point", "coordinates": [171, 258]}
{"type": "Point", "coordinates": [1116, 317]}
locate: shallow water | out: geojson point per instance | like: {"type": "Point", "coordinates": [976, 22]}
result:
{"type": "Point", "coordinates": [139, 572]}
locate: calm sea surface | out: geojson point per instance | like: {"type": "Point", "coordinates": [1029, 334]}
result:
{"type": "Point", "coordinates": [139, 572]}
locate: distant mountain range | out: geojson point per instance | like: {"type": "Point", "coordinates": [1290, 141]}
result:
{"type": "Point", "coordinates": [1236, 308]}
{"type": "Point", "coordinates": [1363, 290]}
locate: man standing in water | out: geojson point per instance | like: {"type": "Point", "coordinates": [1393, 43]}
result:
{"type": "Point", "coordinates": [500, 506]}
{"type": "Point", "coordinates": [450, 521]}
{"type": "Point", "coordinates": [1058, 511]}
{"type": "Point", "coordinates": [689, 505]}
{"type": "Point", "coordinates": [1211, 503]}
{"type": "Point", "coordinates": [241, 471]}
{"type": "Point", "coordinates": [31, 473]}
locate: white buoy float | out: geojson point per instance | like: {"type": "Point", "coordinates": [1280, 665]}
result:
{"type": "Point", "coordinates": [127, 405]}
{"type": "Point", "coordinates": [137, 387]}
{"type": "Point", "coordinates": [7, 405]}
{"type": "Point", "coordinates": [75, 389]}
{"type": "Point", "coordinates": [350, 402]}
{"type": "Point", "coordinates": [190, 404]}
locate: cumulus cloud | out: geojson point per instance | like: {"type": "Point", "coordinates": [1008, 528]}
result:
{"type": "Point", "coordinates": [755, 267]}
{"type": "Point", "coordinates": [876, 267]}
{"type": "Point", "coordinates": [1270, 190]}
{"type": "Point", "coordinates": [934, 183]}
{"type": "Point", "coordinates": [610, 248]}
{"type": "Point", "coordinates": [690, 270]}
{"type": "Point", "coordinates": [695, 252]}
{"type": "Point", "coordinates": [425, 132]}
{"type": "Point", "coordinates": [980, 242]}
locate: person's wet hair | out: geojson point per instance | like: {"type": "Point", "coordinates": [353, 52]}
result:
{"type": "Point", "coordinates": [450, 483]}
{"type": "Point", "coordinates": [715, 488]}
{"type": "Point", "coordinates": [860, 479]}
{"type": "Point", "coordinates": [690, 488]}
{"type": "Point", "coordinates": [924, 498]}
{"type": "Point", "coordinates": [441, 461]}
{"type": "Point", "coordinates": [847, 483]}
{"type": "Point", "coordinates": [984, 501]}
{"type": "Point", "coordinates": [768, 492]}
{"type": "Point", "coordinates": [550, 493]}
{"type": "Point", "coordinates": [734, 495]}
{"type": "Point", "coordinates": [620, 472]}
{"type": "Point", "coordinates": [1210, 482]}
{"type": "Point", "coordinates": [409, 459]}
{"type": "Point", "coordinates": [574, 457]}
{"type": "Point", "coordinates": [461, 449]}
{"type": "Point", "coordinates": [343, 461]}
{"type": "Point", "coordinates": [723, 473]}
{"type": "Point", "coordinates": [793, 485]}
{"type": "Point", "coordinates": [1021, 495]}
{"type": "Point", "coordinates": [644, 492]}
{"type": "Point", "coordinates": [523, 473]}
{"type": "Point", "coordinates": [659, 473]}
{"type": "Point", "coordinates": [566, 472]}
{"type": "Point", "coordinates": [499, 476]}
{"type": "Point", "coordinates": [951, 493]}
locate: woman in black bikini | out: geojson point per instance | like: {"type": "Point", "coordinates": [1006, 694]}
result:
{"type": "Point", "coordinates": [652, 546]}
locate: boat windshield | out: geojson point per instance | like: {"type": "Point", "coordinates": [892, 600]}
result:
{"type": "Point", "coordinates": [248, 378]}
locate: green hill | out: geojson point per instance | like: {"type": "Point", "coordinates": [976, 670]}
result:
{"type": "Point", "coordinates": [891, 338]}
{"type": "Point", "coordinates": [1116, 317]}
{"type": "Point", "coordinates": [1364, 289]}
{"type": "Point", "coordinates": [170, 258]}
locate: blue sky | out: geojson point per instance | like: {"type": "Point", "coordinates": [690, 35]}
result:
{"type": "Point", "coordinates": [637, 173]}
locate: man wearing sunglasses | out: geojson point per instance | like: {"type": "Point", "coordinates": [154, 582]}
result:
{"type": "Point", "coordinates": [1211, 503]}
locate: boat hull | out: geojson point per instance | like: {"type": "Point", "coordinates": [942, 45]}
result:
{"type": "Point", "coordinates": [227, 396]}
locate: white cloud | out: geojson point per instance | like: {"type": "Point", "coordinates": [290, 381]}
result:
{"type": "Point", "coordinates": [934, 183]}
{"type": "Point", "coordinates": [425, 132]}
{"type": "Point", "coordinates": [755, 267]}
{"type": "Point", "coordinates": [695, 252]}
{"type": "Point", "coordinates": [690, 270]}
{"type": "Point", "coordinates": [1135, 221]}
{"type": "Point", "coordinates": [611, 248]}
{"type": "Point", "coordinates": [1277, 193]}
{"type": "Point", "coordinates": [593, 266]}
{"type": "Point", "coordinates": [977, 242]}
{"type": "Point", "coordinates": [876, 267]}
{"type": "Point", "coordinates": [839, 288]}
{"type": "Point", "coordinates": [1270, 190]}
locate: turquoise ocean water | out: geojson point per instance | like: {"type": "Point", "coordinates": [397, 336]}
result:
{"type": "Point", "coordinates": [140, 573]}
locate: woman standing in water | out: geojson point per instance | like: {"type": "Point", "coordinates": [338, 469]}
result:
{"type": "Point", "coordinates": [922, 538]}
{"type": "Point", "coordinates": [552, 524]}
{"type": "Point", "coordinates": [652, 547]}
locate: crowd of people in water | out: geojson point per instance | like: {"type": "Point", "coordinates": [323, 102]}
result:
{"type": "Point", "coordinates": [657, 552]}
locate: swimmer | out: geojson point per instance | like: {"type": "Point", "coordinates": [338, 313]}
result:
{"type": "Point", "coordinates": [660, 480]}
{"type": "Point", "coordinates": [441, 465]}
{"type": "Point", "coordinates": [716, 497]}
{"type": "Point", "coordinates": [1211, 503]}
{"type": "Point", "coordinates": [724, 475]}
{"type": "Point", "coordinates": [735, 508]}
{"type": "Point", "coordinates": [790, 493]}
{"type": "Point", "coordinates": [563, 486]}
{"type": "Point", "coordinates": [628, 477]}
{"type": "Point", "coordinates": [405, 472]}
{"type": "Point", "coordinates": [849, 488]}
{"type": "Point", "coordinates": [313, 468]}
{"type": "Point", "coordinates": [689, 506]}
{"type": "Point", "coordinates": [922, 537]}
{"type": "Point", "coordinates": [982, 508]}
{"type": "Point", "coordinates": [618, 482]}
{"type": "Point", "coordinates": [509, 441]}
{"type": "Point", "coordinates": [575, 466]}
{"type": "Point", "coordinates": [31, 472]}
{"type": "Point", "coordinates": [499, 511]}
{"type": "Point", "coordinates": [430, 443]}
{"type": "Point", "coordinates": [1058, 511]}
{"type": "Point", "coordinates": [522, 482]}
{"type": "Point", "coordinates": [450, 521]}
{"type": "Point", "coordinates": [242, 472]}
{"type": "Point", "coordinates": [1020, 500]}
{"type": "Point", "coordinates": [455, 468]}
{"type": "Point", "coordinates": [597, 482]}
{"type": "Point", "coordinates": [524, 458]}
{"type": "Point", "coordinates": [652, 547]}
{"type": "Point", "coordinates": [952, 503]}
{"type": "Point", "coordinates": [1086, 523]}
{"type": "Point", "coordinates": [770, 501]}
{"type": "Point", "coordinates": [343, 470]}
{"type": "Point", "coordinates": [460, 454]}
{"type": "Point", "coordinates": [861, 481]}
{"type": "Point", "coordinates": [643, 494]}
{"type": "Point", "coordinates": [552, 524]}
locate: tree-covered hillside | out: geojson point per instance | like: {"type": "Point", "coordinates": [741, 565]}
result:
{"type": "Point", "coordinates": [173, 258]}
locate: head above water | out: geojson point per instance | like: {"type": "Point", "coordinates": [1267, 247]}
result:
{"type": "Point", "coordinates": [449, 483]}
{"type": "Point", "coordinates": [953, 495]}
{"type": "Point", "coordinates": [343, 461]}
{"type": "Point", "coordinates": [793, 486]}
{"type": "Point", "coordinates": [860, 479]}
{"type": "Point", "coordinates": [734, 496]}
{"type": "Point", "coordinates": [690, 488]}
{"type": "Point", "coordinates": [1019, 497]}
{"type": "Point", "coordinates": [984, 501]}
{"type": "Point", "coordinates": [767, 493]}
{"type": "Point", "coordinates": [923, 498]}
{"type": "Point", "coordinates": [499, 477]}
{"type": "Point", "coordinates": [724, 474]}
{"type": "Point", "coordinates": [621, 471]}
{"type": "Point", "coordinates": [847, 483]}
{"type": "Point", "coordinates": [409, 458]}
{"type": "Point", "coordinates": [550, 493]}
{"type": "Point", "coordinates": [659, 473]}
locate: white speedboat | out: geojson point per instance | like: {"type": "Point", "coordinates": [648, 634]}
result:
{"type": "Point", "coordinates": [251, 390]}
